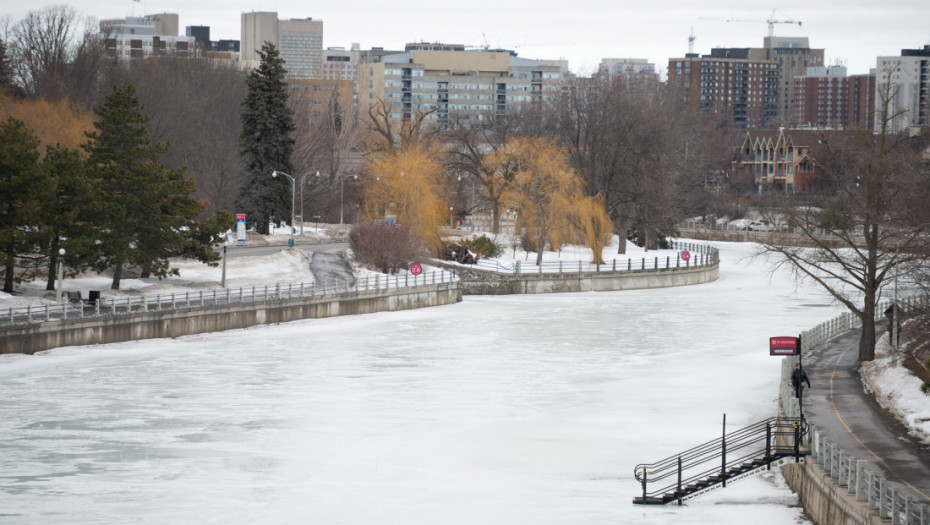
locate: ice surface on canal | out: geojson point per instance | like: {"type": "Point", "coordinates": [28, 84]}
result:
{"type": "Point", "coordinates": [498, 410]}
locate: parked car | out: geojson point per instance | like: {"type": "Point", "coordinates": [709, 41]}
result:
{"type": "Point", "coordinates": [758, 226]}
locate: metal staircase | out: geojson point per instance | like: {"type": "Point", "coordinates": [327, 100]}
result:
{"type": "Point", "coordinates": [739, 454]}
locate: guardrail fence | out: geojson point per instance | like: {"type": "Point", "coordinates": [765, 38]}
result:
{"type": "Point", "coordinates": [217, 296]}
{"type": "Point", "coordinates": [871, 489]}
{"type": "Point", "coordinates": [847, 471]}
{"type": "Point", "coordinates": [699, 255]}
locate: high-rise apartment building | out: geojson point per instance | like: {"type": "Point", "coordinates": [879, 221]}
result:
{"type": "Point", "coordinates": [145, 36]}
{"type": "Point", "coordinates": [727, 83]}
{"type": "Point", "coordinates": [628, 68]}
{"type": "Point", "coordinates": [341, 64]}
{"type": "Point", "coordinates": [793, 56]}
{"type": "Point", "coordinates": [906, 80]}
{"type": "Point", "coordinates": [827, 98]}
{"type": "Point", "coordinates": [471, 86]}
{"type": "Point", "coordinates": [861, 101]}
{"type": "Point", "coordinates": [299, 40]}
{"type": "Point", "coordinates": [201, 35]}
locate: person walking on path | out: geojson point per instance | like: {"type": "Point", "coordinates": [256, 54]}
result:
{"type": "Point", "coordinates": [797, 377]}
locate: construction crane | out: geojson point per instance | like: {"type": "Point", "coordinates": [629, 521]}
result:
{"type": "Point", "coordinates": [771, 21]}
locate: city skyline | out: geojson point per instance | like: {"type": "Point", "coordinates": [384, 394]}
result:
{"type": "Point", "coordinates": [853, 33]}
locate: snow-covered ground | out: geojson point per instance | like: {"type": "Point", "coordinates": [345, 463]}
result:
{"type": "Point", "coordinates": [897, 390]}
{"type": "Point", "coordinates": [496, 410]}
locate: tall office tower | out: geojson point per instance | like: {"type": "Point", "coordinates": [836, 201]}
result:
{"type": "Point", "coordinates": [299, 40]}
{"type": "Point", "coordinates": [906, 81]}
{"type": "Point", "coordinates": [727, 83]}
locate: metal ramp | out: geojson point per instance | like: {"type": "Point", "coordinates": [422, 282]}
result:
{"type": "Point", "coordinates": [739, 454]}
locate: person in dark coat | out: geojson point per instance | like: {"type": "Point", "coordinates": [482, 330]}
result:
{"type": "Point", "coordinates": [797, 377]}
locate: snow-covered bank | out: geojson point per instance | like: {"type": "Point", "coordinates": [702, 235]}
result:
{"type": "Point", "coordinates": [897, 390]}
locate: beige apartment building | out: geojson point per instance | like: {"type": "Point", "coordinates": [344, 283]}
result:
{"type": "Point", "coordinates": [299, 40]}
{"type": "Point", "coordinates": [472, 86]}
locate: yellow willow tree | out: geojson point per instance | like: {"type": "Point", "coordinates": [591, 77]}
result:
{"type": "Point", "coordinates": [547, 195]}
{"type": "Point", "coordinates": [405, 186]}
{"type": "Point", "coordinates": [55, 122]}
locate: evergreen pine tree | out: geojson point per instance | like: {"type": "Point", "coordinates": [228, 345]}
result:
{"type": "Point", "coordinates": [142, 208]}
{"type": "Point", "coordinates": [65, 215]}
{"type": "Point", "coordinates": [266, 143]}
{"type": "Point", "coordinates": [23, 190]}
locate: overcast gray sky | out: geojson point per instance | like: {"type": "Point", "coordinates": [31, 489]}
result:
{"type": "Point", "coordinates": [583, 31]}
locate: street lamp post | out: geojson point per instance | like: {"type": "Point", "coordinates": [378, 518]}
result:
{"type": "Point", "coordinates": [274, 174]}
{"type": "Point", "coordinates": [471, 205]}
{"type": "Point", "coordinates": [223, 278]}
{"type": "Point", "coordinates": [61, 265]}
{"type": "Point", "coordinates": [342, 191]}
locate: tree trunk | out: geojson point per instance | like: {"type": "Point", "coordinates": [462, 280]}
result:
{"type": "Point", "coordinates": [117, 275]}
{"type": "Point", "coordinates": [867, 336]}
{"type": "Point", "coordinates": [541, 241]}
{"type": "Point", "coordinates": [622, 227]}
{"type": "Point", "coordinates": [53, 262]}
{"type": "Point", "coordinates": [10, 263]}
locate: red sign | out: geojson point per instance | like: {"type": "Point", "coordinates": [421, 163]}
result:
{"type": "Point", "coordinates": [685, 255]}
{"type": "Point", "coordinates": [783, 346]}
{"type": "Point", "coordinates": [416, 269]}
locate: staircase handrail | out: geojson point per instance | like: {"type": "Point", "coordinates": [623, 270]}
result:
{"type": "Point", "coordinates": [737, 447]}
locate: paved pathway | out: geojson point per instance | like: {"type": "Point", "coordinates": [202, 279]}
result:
{"type": "Point", "coordinates": [838, 404]}
{"type": "Point", "coordinates": [331, 269]}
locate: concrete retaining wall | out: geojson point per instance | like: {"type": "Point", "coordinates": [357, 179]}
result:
{"type": "Point", "coordinates": [31, 338]}
{"type": "Point", "coordinates": [825, 502]}
{"type": "Point", "coordinates": [477, 282]}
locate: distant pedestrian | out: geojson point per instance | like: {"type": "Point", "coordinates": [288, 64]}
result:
{"type": "Point", "coordinates": [797, 377]}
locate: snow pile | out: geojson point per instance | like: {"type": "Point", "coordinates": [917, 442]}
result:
{"type": "Point", "coordinates": [897, 390]}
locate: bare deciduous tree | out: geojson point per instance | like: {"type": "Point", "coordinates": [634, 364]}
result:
{"type": "Point", "coordinates": [56, 54]}
{"type": "Point", "coordinates": [631, 145]}
{"type": "Point", "coordinates": [476, 153]}
{"type": "Point", "coordinates": [328, 141]}
{"type": "Point", "coordinates": [387, 138]}
{"type": "Point", "coordinates": [198, 115]}
{"type": "Point", "coordinates": [879, 184]}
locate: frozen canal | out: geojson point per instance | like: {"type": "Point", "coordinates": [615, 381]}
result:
{"type": "Point", "coordinates": [497, 410]}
